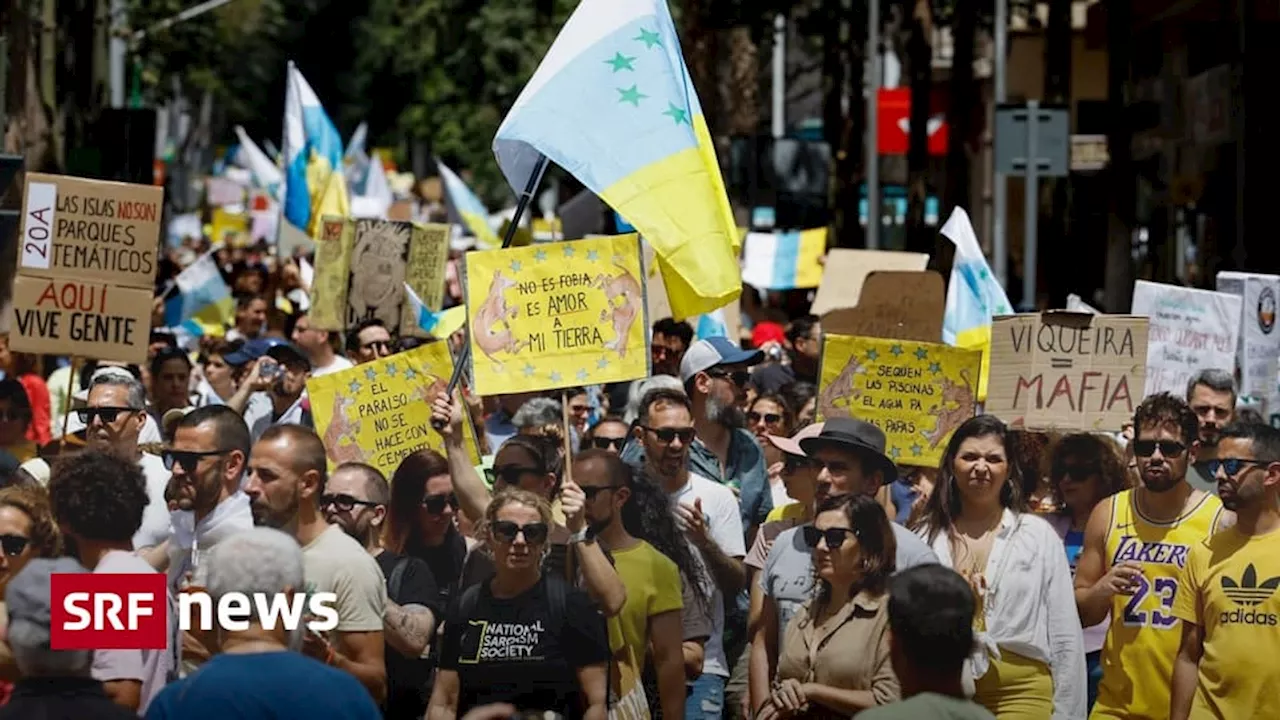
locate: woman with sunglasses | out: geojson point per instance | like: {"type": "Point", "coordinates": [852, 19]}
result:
{"type": "Point", "coordinates": [834, 660]}
{"type": "Point", "coordinates": [27, 531]}
{"type": "Point", "coordinates": [1030, 663]}
{"type": "Point", "coordinates": [1084, 469]}
{"type": "Point", "coordinates": [422, 518]}
{"type": "Point", "coordinates": [770, 415]}
{"type": "Point", "coordinates": [522, 637]}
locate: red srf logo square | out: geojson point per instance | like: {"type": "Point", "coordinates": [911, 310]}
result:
{"type": "Point", "coordinates": [108, 611]}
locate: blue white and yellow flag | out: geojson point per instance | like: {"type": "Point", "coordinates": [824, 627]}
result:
{"type": "Point", "coordinates": [612, 103]}
{"type": "Point", "coordinates": [440, 324]}
{"type": "Point", "coordinates": [974, 296]}
{"type": "Point", "coordinates": [202, 304]}
{"type": "Point", "coordinates": [470, 210]}
{"type": "Point", "coordinates": [312, 148]}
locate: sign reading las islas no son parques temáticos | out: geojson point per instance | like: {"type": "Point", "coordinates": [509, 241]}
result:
{"type": "Point", "coordinates": [86, 268]}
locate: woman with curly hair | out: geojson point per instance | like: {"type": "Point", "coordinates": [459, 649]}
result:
{"type": "Point", "coordinates": [1030, 660]}
{"type": "Point", "coordinates": [1084, 468]}
{"type": "Point", "coordinates": [523, 637]}
{"type": "Point", "coordinates": [27, 531]}
{"type": "Point", "coordinates": [834, 660]}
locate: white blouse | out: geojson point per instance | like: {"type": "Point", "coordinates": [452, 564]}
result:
{"type": "Point", "coordinates": [1030, 606]}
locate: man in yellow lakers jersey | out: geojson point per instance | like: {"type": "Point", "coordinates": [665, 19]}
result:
{"type": "Point", "coordinates": [1229, 663]}
{"type": "Point", "coordinates": [1135, 545]}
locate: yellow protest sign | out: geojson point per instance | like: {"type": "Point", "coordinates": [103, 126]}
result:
{"type": "Point", "coordinates": [917, 393]}
{"type": "Point", "coordinates": [379, 412]}
{"type": "Point", "coordinates": [557, 315]}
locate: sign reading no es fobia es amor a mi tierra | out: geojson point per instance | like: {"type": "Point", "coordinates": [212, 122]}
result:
{"type": "Point", "coordinates": [1067, 371]}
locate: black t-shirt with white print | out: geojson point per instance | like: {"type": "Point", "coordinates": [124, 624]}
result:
{"type": "Point", "coordinates": [506, 652]}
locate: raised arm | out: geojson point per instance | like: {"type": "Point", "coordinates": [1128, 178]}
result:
{"type": "Point", "coordinates": [473, 496]}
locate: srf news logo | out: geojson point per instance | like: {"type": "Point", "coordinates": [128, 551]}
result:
{"type": "Point", "coordinates": [131, 611]}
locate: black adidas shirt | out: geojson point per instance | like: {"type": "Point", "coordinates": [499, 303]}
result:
{"type": "Point", "coordinates": [509, 650]}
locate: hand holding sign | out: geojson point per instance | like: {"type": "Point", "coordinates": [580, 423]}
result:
{"type": "Point", "coordinates": [446, 416]}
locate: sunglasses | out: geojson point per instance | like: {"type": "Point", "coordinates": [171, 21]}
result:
{"type": "Point", "coordinates": [791, 463]}
{"type": "Point", "coordinates": [1168, 448]}
{"type": "Point", "coordinates": [754, 417]}
{"type": "Point", "coordinates": [835, 536]}
{"type": "Point", "coordinates": [108, 414]}
{"type": "Point", "coordinates": [13, 545]}
{"type": "Point", "coordinates": [343, 502]}
{"type": "Point", "coordinates": [607, 443]}
{"type": "Point", "coordinates": [435, 504]}
{"type": "Point", "coordinates": [737, 377]}
{"type": "Point", "coordinates": [1231, 466]}
{"type": "Point", "coordinates": [506, 531]}
{"type": "Point", "coordinates": [592, 491]}
{"type": "Point", "coordinates": [668, 435]}
{"type": "Point", "coordinates": [187, 459]}
{"type": "Point", "coordinates": [510, 474]}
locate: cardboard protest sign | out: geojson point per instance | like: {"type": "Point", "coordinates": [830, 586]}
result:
{"type": "Point", "coordinates": [379, 412]}
{"type": "Point", "coordinates": [1259, 344]}
{"type": "Point", "coordinates": [91, 230]}
{"type": "Point", "coordinates": [1066, 371]}
{"type": "Point", "coordinates": [59, 316]}
{"type": "Point", "coordinates": [917, 393]}
{"type": "Point", "coordinates": [556, 316]}
{"type": "Point", "coordinates": [885, 311]}
{"type": "Point", "coordinates": [845, 271]}
{"type": "Point", "coordinates": [362, 267]}
{"type": "Point", "coordinates": [1191, 330]}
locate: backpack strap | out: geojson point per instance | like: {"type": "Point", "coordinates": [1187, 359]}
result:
{"type": "Point", "coordinates": [397, 578]}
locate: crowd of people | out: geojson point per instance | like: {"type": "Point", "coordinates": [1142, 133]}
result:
{"type": "Point", "coordinates": [691, 544]}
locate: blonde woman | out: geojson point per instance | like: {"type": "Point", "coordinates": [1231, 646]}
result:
{"type": "Point", "coordinates": [522, 637]}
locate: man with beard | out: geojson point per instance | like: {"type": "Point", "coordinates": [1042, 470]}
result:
{"type": "Point", "coordinates": [1212, 397]}
{"type": "Point", "coordinates": [273, 389]}
{"type": "Point", "coordinates": [287, 474]}
{"type": "Point", "coordinates": [356, 499]}
{"type": "Point", "coordinates": [714, 373]}
{"type": "Point", "coordinates": [1229, 663]}
{"type": "Point", "coordinates": [1135, 546]}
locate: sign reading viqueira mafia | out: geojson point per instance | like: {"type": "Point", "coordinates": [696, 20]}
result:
{"type": "Point", "coordinates": [86, 268]}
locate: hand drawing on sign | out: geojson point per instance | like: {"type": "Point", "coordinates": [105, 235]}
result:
{"type": "Point", "coordinates": [490, 325]}
{"type": "Point", "coordinates": [838, 397]}
{"type": "Point", "coordinates": [377, 272]}
{"type": "Point", "coordinates": [340, 436]}
{"type": "Point", "coordinates": [623, 286]}
{"type": "Point", "coordinates": [957, 406]}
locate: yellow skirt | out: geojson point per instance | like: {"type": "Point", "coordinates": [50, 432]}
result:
{"type": "Point", "coordinates": [1016, 688]}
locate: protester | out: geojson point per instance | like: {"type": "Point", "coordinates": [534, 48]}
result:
{"type": "Point", "coordinates": [287, 474]}
{"type": "Point", "coordinates": [610, 434]}
{"type": "Point", "coordinates": [356, 498]}
{"type": "Point", "coordinates": [524, 637]}
{"type": "Point", "coordinates": [1211, 393]}
{"type": "Point", "coordinates": [421, 519]}
{"type": "Point", "coordinates": [671, 339]}
{"type": "Point", "coordinates": [250, 317]}
{"type": "Point", "coordinates": [1030, 663]}
{"type": "Point", "coordinates": [319, 345]}
{"type": "Point", "coordinates": [770, 415]}
{"type": "Point", "coordinates": [170, 383]}
{"type": "Point", "coordinates": [259, 675]}
{"type": "Point", "coordinates": [279, 371]}
{"type": "Point", "coordinates": [1135, 545]}
{"type": "Point", "coordinates": [217, 383]}
{"type": "Point", "coordinates": [99, 500]}
{"type": "Point", "coordinates": [931, 610]}
{"type": "Point", "coordinates": [1228, 663]}
{"type": "Point", "coordinates": [54, 683]}
{"type": "Point", "coordinates": [25, 368]}
{"type": "Point", "coordinates": [15, 422]}
{"type": "Point", "coordinates": [368, 341]}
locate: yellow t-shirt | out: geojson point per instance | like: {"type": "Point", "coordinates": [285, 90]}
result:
{"type": "Point", "coordinates": [653, 587]}
{"type": "Point", "coordinates": [790, 511]}
{"type": "Point", "coordinates": [1229, 589]}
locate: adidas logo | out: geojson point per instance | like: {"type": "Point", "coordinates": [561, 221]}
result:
{"type": "Point", "coordinates": [1249, 593]}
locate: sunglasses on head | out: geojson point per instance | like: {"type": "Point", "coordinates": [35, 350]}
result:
{"type": "Point", "coordinates": [1168, 448]}
{"type": "Point", "coordinates": [668, 435]}
{"type": "Point", "coordinates": [343, 502]}
{"type": "Point", "coordinates": [13, 545]}
{"type": "Point", "coordinates": [835, 536]}
{"type": "Point", "coordinates": [608, 443]}
{"type": "Point", "coordinates": [754, 417]}
{"type": "Point", "coordinates": [506, 531]}
{"type": "Point", "coordinates": [108, 414]}
{"type": "Point", "coordinates": [510, 474]}
{"type": "Point", "coordinates": [187, 459]}
{"type": "Point", "coordinates": [737, 377]}
{"type": "Point", "coordinates": [435, 504]}
{"type": "Point", "coordinates": [1231, 466]}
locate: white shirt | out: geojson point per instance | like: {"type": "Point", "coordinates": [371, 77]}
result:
{"type": "Point", "coordinates": [724, 523]}
{"type": "Point", "coordinates": [193, 541]}
{"type": "Point", "coordinates": [155, 527]}
{"type": "Point", "coordinates": [258, 415]}
{"type": "Point", "coordinates": [338, 365]}
{"type": "Point", "coordinates": [1030, 606]}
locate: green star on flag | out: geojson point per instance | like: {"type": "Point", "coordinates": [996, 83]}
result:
{"type": "Point", "coordinates": [529, 370]}
{"type": "Point", "coordinates": [935, 368]}
{"type": "Point", "coordinates": [872, 354]}
{"type": "Point", "coordinates": [540, 255]}
{"type": "Point", "coordinates": [631, 95]}
{"type": "Point", "coordinates": [917, 450]}
{"type": "Point", "coordinates": [410, 373]}
{"type": "Point", "coordinates": [371, 374]}
{"type": "Point", "coordinates": [555, 377]}
{"type": "Point", "coordinates": [895, 453]}
{"type": "Point", "coordinates": [621, 62]}
{"type": "Point", "coordinates": [568, 251]}
{"type": "Point", "coordinates": [649, 38]}
{"type": "Point", "coordinates": [593, 255]}
{"type": "Point", "coordinates": [921, 353]}
{"type": "Point", "coordinates": [515, 266]}
{"type": "Point", "coordinates": [583, 375]}
{"type": "Point", "coordinates": [896, 350]}
{"type": "Point", "coordinates": [391, 369]}
{"type": "Point", "coordinates": [354, 387]}
{"type": "Point", "coordinates": [680, 115]}
{"type": "Point", "coordinates": [602, 364]}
